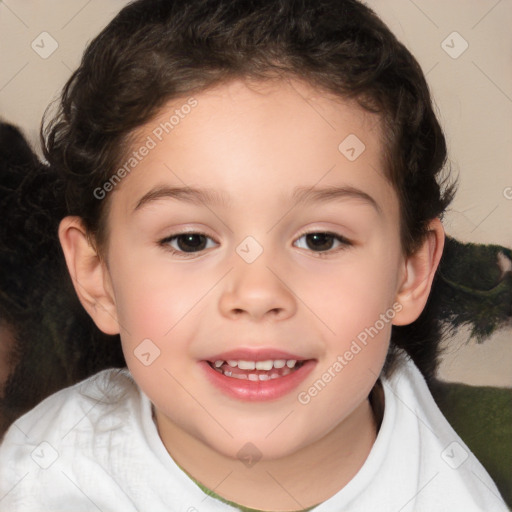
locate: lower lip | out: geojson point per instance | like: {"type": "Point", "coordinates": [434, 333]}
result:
{"type": "Point", "coordinates": [260, 390]}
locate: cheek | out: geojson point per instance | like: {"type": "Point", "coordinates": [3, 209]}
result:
{"type": "Point", "coordinates": [159, 309]}
{"type": "Point", "coordinates": [352, 295]}
{"type": "Point", "coordinates": [355, 346]}
{"type": "Point", "coordinates": [151, 300]}
{"type": "Point", "coordinates": [355, 302]}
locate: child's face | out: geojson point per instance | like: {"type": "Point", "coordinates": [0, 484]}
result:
{"type": "Point", "coordinates": [256, 284]}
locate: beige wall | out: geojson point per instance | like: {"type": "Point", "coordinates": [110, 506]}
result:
{"type": "Point", "coordinates": [474, 96]}
{"type": "Point", "coordinates": [473, 91]}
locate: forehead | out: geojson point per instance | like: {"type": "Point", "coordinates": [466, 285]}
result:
{"type": "Point", "coordinates": [244, 140]}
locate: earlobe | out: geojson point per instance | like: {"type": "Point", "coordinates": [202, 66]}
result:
{"type": "Point", "coordinates": [89, 274]}
{"type": "Point", "coordinates": [420, 269]}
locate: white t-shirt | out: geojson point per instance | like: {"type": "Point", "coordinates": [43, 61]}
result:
{"type": "Point", "coordinates": [94, 446]}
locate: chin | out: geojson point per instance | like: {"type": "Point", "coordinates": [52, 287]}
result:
{"type": "Point", "coordinates": [257, 444]}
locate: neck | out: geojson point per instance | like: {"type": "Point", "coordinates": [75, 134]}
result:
{"type": "Point", "coordinates": [297, 481]}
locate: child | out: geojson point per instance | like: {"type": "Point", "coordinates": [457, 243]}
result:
{"type": "Point", "coordinates": [254, 207]}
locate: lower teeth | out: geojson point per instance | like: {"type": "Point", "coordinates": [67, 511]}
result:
{"type": "Point", "coordinates": [252, 376]}
{"type": "Point", "coordinates": [261, 376]}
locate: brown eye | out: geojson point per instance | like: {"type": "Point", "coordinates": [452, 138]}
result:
{"type": "Point", "coordinates": [320, 241]}
{"type": "Point", "coordinates": [323, 242]}
{"type": "Point", "coordinates": [186, 242]}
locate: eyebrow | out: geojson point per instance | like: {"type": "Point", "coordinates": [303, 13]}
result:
{"type": "Point", "coordinates": [300, 196]}
{"type": "Point", "coordinates": [188, 194]}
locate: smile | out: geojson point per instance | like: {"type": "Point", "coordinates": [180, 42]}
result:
{"type": "Point", "coordinates": [256, 370]}
{"type": "Point", "coordinates": [256, 375]}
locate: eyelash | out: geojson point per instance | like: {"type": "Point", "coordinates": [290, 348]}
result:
{"type": "Point", "coordinates": [345, 243]}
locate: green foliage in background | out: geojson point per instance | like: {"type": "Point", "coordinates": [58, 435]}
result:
{"type": "Point", "coordinates": [473, 288]}
{"type": "Point", "coordinates": [482, 416]}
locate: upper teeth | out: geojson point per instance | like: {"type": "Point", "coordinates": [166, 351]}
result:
{"type": "Point", "coordinates": [258, 365]}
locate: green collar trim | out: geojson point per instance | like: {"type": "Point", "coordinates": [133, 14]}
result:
{"type": "Point", "coordinates": [233, 504]}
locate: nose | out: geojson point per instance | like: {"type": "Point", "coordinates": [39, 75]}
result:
{"type": "Point", "coordinates": [257, 291]}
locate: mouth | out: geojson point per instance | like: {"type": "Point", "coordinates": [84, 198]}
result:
{"type": "Point", "coordinates": [256, 370]}
{"type": "Point", "coordinates": [257, 375]}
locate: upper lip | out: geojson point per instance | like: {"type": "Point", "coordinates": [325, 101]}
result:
{"type": "Point", "coordinates": [255, 354]}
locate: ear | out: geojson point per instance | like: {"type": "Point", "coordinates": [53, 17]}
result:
{"type": "Point", "coordinates": [89, 274]}
{"type": "Point", "coordinates": [420, 269]}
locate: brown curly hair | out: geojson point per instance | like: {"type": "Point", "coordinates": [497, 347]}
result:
{"type": "Point", "coordinates": [156, 50]}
